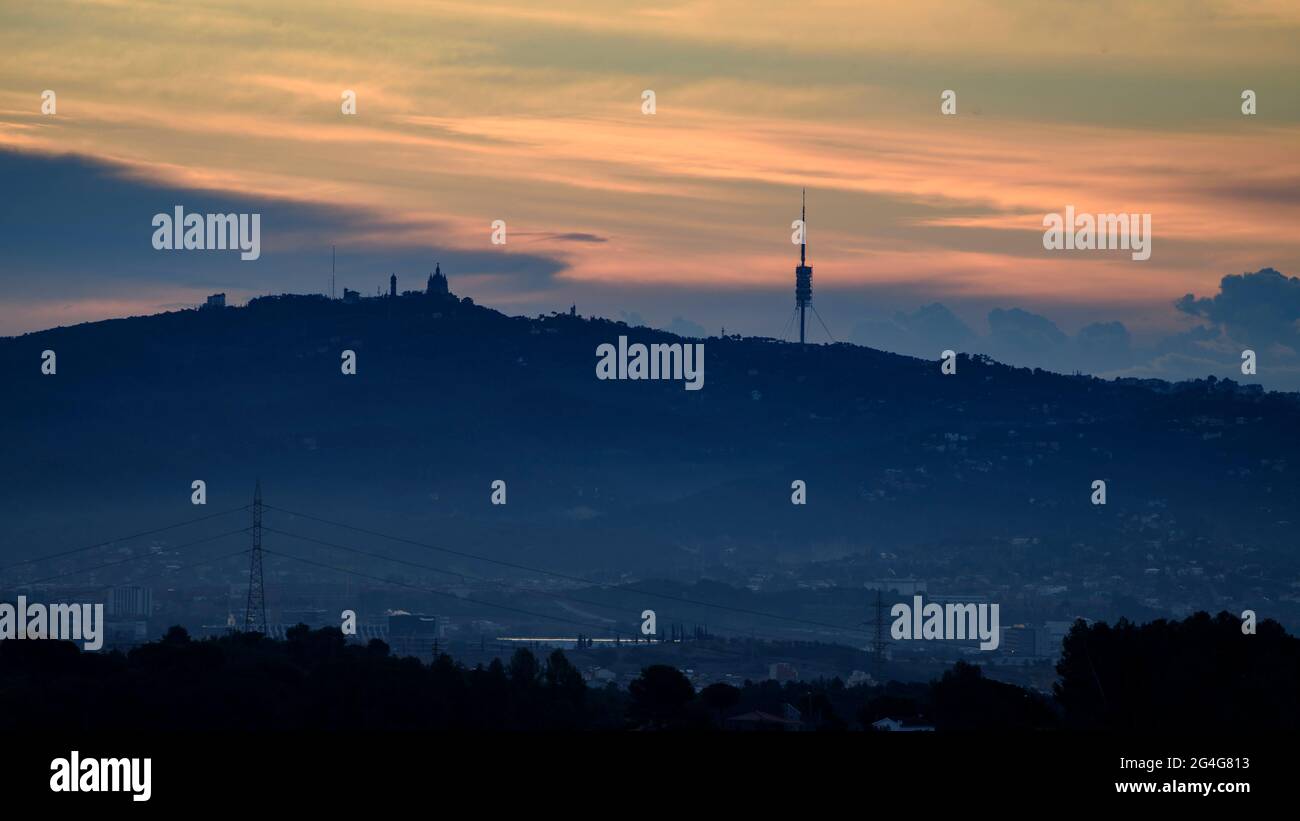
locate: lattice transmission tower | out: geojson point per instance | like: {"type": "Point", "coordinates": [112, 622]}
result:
{"type": "Point", "coordinates": [255, 611]}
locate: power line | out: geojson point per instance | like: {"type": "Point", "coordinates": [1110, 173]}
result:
{"type": "Point", "coordinates": [568, 577]}
{"type": "Point", "coordinates": [622, 589]}
{"type": "Point", "coordinates": [127, 560]}
{"type": "Point", "coordinates": [434, 592]}
{"type": "Point", "coordinates": [878, 642]}
{"type": "Point", "coordinates": [459, 575]}
{"type": "Point", "coordinates": [121, 539]}
{"type": "Point", "coordinates": [240, 552]}
{"type": "Point", "coordinates": [472, 600]}
{"type": "Point", "coordinates": [579, 579]}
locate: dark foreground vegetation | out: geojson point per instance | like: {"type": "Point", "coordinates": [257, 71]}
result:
{"type": "Point", "coordinates": [1199, 674]}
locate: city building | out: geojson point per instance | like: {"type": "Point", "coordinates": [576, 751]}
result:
{"type": "Point", "coordinates": [903, 587]}
{"type": "Point", "coordinates": [412, 634]}
{"type": "Point", "coordinates": [1051, 637]}
{"type": "Point", "coordinates": [861, 678]}
{"type": "Point", "coordinates": [129, 602]}
{"type": "Point", "coordinates": [782, 671]}
{"type": "Point", "coordinates": [1019, 640]}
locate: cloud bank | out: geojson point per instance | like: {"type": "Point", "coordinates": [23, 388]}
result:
{"type": "Point", "coordinates": [1259, 311]}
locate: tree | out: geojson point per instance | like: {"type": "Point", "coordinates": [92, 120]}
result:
{"type": "Point", "coordinates": [1202, 673]}
{"type": "Point", "coordinates": [566, 692]}
{"type": "Point", "coordinates": [659, 696]}
{"type": "Point", "coordinates": [720, 698]}
{"type": "Point", "coordinates": [563, 678]}
{"type": "Point", "coordinates": [963, 700]}
{"type": "Point", "coordinates": [523, 669]}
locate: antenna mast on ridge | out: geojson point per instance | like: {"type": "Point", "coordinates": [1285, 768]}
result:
{"type": "Point", "coordinates": [803, 274]}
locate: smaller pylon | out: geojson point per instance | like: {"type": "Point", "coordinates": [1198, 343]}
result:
{"type": "Point", "coordinates": [255, 611]}
{"type": "Point", "coordinates": [879, 644]}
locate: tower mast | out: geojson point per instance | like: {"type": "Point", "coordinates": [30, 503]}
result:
{"type": "Point", "coordinates": [803, 220]}
{"type": "Point", "coordinates": [803, 274]}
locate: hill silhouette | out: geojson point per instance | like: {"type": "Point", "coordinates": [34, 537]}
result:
{"type": "Point", "coordinates": [990, 468]}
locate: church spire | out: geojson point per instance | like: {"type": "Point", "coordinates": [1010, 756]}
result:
{"type": "Point", "coordinates": [437, 282]}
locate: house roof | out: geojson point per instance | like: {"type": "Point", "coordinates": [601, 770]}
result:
{"type": "Point", "coordinates": [760, 717]}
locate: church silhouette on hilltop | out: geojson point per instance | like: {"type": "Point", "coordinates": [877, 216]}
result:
{"type": "Point", "coordinates": [437, 282]}
{"type": "Point", "coordinates": [436, 286]}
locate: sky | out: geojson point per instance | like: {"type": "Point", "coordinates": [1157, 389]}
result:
{"type": "Point", "coordinates": [922, 227]}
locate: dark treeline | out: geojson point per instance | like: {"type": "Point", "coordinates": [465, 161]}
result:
{"type": "Point", "coordinates": [1199, 674]}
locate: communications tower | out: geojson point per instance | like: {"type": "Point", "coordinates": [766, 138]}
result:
{"type": "Point", "coordinates": [803, 274]}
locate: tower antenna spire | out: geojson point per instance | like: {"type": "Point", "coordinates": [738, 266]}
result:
{"type": "Point", "coordinates": [803, 220]}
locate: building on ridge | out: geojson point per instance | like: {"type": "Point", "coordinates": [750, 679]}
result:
{"type": "Point", "coordinates": [437, 282]}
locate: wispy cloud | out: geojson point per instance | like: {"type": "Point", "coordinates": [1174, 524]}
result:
{"type": "Point", "coordinates": [530, 113]}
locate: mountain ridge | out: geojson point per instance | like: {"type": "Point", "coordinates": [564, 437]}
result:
{"type": "Point", "coordinates": [944, 471]}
